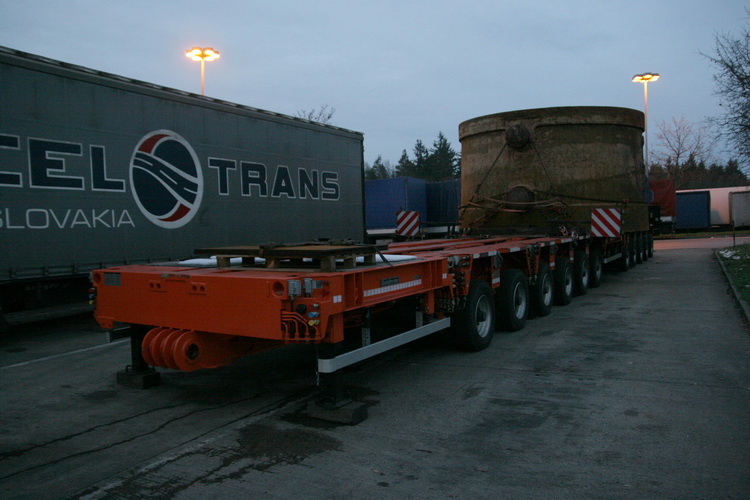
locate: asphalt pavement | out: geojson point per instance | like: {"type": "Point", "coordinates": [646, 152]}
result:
{"type": "Point", "coordinates": [639, 389]}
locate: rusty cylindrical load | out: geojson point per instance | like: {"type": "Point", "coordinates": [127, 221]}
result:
{"type": "Point", "coordinates": [540, 169]}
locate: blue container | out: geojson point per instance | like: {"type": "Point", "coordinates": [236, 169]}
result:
{"type": "Point", "coordinates": [443, 200]}
{"type": "Point", "coordinates": [693, 210]}
{"type": "Point", "coordinates": [385, 197]}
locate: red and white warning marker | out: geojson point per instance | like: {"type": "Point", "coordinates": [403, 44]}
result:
{"type": "Point", "coordinates": [606, 222]}
{"type": "Point", "coordinates": [407, 223]}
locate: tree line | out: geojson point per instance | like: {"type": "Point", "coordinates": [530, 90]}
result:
{"type": "Point", "coordinates": [684, 153]}
{"type": "Point", "coordinates": [438, 163]}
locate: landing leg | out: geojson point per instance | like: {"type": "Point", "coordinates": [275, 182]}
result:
{"type": "Point", "coordinates": [138, 374]}
{"type": "Point", "coordinates": [333, 404]}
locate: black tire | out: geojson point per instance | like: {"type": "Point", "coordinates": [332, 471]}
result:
{"type": "Point", "coordinates": [644, 247]}
{"type": "Point", "coordinates": [543, 291]}
{"type": "Point", "coordinates": [563, 281]}
{"type": "Point", "coordinates": [623, 263]}
{"type": "Point", "coordinates": [638, 242]}
{"type": "Point", "coordinates": [580, 273]}
{"type": "Point", "coordinates": [473, 326]}
{"type": "Point", "coordinates": [596, 267]}
{"type": "Point", "coordinates": [512, 300]}
{"type": "Point", "coordinates": [650, 245]}
{"type": "Point", "coordinates": [632, 249]}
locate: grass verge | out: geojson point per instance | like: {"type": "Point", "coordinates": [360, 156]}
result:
{"type": "Point", "coordinates": [736, 261]}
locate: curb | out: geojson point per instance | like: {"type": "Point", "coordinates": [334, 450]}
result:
{"type": "Point", "coordinates": [737, 297]}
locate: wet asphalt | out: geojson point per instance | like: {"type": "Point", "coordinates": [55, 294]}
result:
{"type": "Point", "coordinates": [638, 389]}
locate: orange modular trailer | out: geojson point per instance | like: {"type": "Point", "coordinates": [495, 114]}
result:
{"type": "Point", "coordinates": [204, 313]}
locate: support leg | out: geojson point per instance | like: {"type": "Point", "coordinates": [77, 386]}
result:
{"type": "Point", "coordinates": [138, 374]}
{"type": "Point", "coordinates": [333, 404]}
{"type": "Point", "coordinates": [333, 394]}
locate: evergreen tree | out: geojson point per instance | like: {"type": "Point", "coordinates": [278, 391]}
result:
{"type": "Point", "coordinates": [378, 170]}
{"type": "Point", "coordinates": [695, 175]}
{"type": "Point", "coordinates": [439, 163]}
{"type": "Point", "coordinates": [406, 167]}
{"type": "Point", "coordinates": [444, 161]}
{"type": "Point", "coordinates": [421, 160]}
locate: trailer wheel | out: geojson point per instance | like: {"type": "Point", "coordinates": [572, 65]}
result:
{"type": "Point", "coordinates": [631, 251]}
{"type": "Point", "coordinates": [644, 247]}
{"type": "Point", "coordinates": [623, 263]}
{"type": "Point", "coordinates": [543, 291]}
{"type": "Point", "coordinates": [596, 267]}
{"type": "Point", "coordinates": [473, 326]}
{"type": "Point", "coordinates": [650, 245]}
{"type": "Point", "coordinates": [563, 281]}
{"type": "Point", "coordinates": [581, 273]}
{"type": "Point", "coordinates": [638, 242]}
{"type": "Point", "coordinates": [512, 300]}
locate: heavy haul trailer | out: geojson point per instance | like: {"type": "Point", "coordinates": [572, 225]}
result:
{"type": "Point", "coordinates": [99, 170]}
{"type": "Point", "coordinates": [206, 313]}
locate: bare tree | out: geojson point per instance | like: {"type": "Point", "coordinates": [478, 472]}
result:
{"type": "Point", "coordinates": [321, 115]}
{"type": "Point", "coordinates": [680, 140]}
{"type": "Point", "coordinates": [732, 59]}
{"type": "Point", "coordinates": [682, 146]}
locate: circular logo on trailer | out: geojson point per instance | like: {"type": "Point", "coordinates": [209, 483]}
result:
{"type": "Point", "coordinates": [166, 179]}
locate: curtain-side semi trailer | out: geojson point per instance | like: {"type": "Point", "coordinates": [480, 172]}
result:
{"type": "Point", "coordinates": [98, 170]}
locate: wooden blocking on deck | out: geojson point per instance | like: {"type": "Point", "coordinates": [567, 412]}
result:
{"type": "Point", "coordinates": [325, 256]}
{"type": "Point", "coordinates": [224, 261]}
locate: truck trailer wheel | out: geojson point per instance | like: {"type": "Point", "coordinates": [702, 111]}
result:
{"type": "Point", "coordinates": [563, 281]}
{"type": "Point", "coordinates": [543, 291]}
{"type": "Point", "coordinates": [650, 245]}
{"type": "Point", "coordinates": [632, 249]}
{"type": "Point", "coordinates": [639, 250]}
{"type": "Point", "coordinates": [581, 273]}
{"type": "Point", "coordinates": [474, 325]}
{"type": "Point", "coordinates": [596, 267]}
{"type": "Point", "coordinates": [512, 300]}
{"type": "Point", "coordinates": [623, 263]}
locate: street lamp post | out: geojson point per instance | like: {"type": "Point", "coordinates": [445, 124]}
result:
{"type": "Point", "coordinates": [644, 79]}
{"type": "Point", "coordinates": [202, 55]}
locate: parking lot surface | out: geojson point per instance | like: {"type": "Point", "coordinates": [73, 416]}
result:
{"type": "Point", "coordinates": [638, 389]}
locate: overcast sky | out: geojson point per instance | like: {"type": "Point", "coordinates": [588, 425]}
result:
{"type": "Point", "coordinates": [398, 70]}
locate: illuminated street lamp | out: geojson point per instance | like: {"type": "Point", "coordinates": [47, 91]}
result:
{"type": "Point", "coordinates": [644, 79]}
{"type": "Point", "coordinates": [202, 55]}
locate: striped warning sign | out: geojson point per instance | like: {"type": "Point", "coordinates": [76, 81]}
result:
{"type": "Point", "coordinates": [407, 223]}
{"type": "Point", "coordinates": [605, 222]}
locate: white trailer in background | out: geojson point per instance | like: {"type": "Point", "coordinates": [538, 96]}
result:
{"type": "Point", "coordinates": [739, 208]}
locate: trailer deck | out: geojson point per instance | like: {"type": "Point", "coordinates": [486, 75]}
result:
{"type": "Point", "coordinates": [205, 313]}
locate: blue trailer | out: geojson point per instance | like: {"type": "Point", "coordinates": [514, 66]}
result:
{"type": "Point", "coordinates": [443, 200]}
{"type": "Point", "coordinates": [693, 210]}
{"type": "Point", "coordinates": [385, 197]}
{"type": "Point", "coordinates": [436, 202]}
